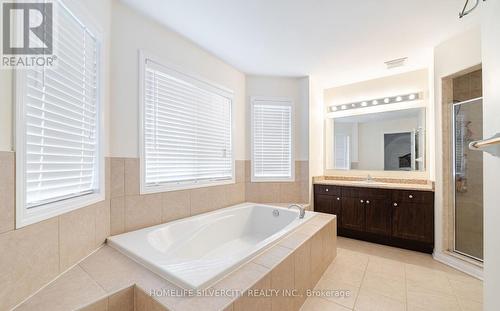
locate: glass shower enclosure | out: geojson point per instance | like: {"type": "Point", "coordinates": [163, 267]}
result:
{"type": "Point", "coordinates": [468, 179]}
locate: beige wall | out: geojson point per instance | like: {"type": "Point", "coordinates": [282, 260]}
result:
{"type": "Point", "coordinates": [316, 132]}
{"type": "Point", "coordinates": [415, 81]}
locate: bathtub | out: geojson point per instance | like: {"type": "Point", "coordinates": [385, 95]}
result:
{"type": "Point", "coordinates": [196, 252]}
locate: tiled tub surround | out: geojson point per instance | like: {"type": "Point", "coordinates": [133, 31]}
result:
{"type": "Point", "coordinates": [296, 262]}
{"type": "Point", "coordinates": [58, 243]}
{"type": "Point", "coordinates": [279, 192]}
{"type": "Point", "coordinates": [34, 255]}
{"type": "Point", "coordinates": [131, 211]}
{"type": "Point", "coordinates": [128, 299]}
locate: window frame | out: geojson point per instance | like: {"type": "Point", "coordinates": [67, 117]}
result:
{"type": "Point", "coordinates": [24, 215]}
{"type": "Point", "coordinates": [219, 89]}
{"type": "Point", "coordinates": [285, 101]}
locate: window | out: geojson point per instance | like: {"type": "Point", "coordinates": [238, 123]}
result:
{"type": "Point", "coordinates": [186, 131]}
{"type": "Point", "coordinates": [272, 147]}
{"type": "Point", "coordinates": [59, 158]}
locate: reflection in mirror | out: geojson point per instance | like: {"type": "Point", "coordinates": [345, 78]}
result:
{"type": "Point", "coordinates": [386, 141]}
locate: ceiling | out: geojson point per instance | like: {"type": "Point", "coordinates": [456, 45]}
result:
{"type": "Point", "coordinates": [338, 41]}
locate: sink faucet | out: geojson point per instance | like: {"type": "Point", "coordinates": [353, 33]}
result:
{"type": "Point", "coordinates": [300, 208]}
{"type": "Point", "coordinates": [369, 178]}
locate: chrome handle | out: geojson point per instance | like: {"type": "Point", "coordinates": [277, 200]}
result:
{"type": "Point", "coordinates": [367, 202]}
{"type": "Point", "coordinates": [326, 190]}
{"type": "Point", "coordinates": [410, 196]}
{"type": "Point", "coordinates": [395, 204]}
{"type": "Point", "coordinates": [490, 145]}
{"type": "Point", "coordinates": [338, 199]}
{"type": "Point", "coordinates": [362, 201]}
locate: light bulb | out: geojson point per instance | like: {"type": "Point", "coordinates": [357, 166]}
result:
{"type": "Point", "coordinates": [364, 104]}
{"type": "Point", "coordinates": [344, 107]}
{"type": "Point", "coordinates": [333, 108]}
{"type": "Point", "coordinates": [375, 102]}
{"type": "Point", "coordinates": [386, 100]}
{"type": "Point", "coordinates": [399, 98]}
{"type": "Point", "coordinates": [412, 96]}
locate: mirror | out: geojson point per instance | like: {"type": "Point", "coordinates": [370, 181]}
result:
{"type": "Point", "coordinates": [384, 141]}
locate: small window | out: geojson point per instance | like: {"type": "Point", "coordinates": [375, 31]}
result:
{"type": "Point", "coordinates": [186, 131]}
{"type": "Point", "coordinates": [58, 136]}
{"type": "Point", "coordinates": [272, 141]}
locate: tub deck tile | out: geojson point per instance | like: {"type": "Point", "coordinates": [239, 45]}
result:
{"type": "Point", "coordinates": [272, 257]}
{"type": "Point", "coordinates": [108, 271]}
{"type": "Point", "coordinates": [72, 290]}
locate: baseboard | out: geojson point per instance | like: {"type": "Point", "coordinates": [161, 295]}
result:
{"type": "Point", "coordinates": [471, 269]}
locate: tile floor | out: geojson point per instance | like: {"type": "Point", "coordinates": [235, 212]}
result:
{"type": "Point", "coordinates": [382, 278]}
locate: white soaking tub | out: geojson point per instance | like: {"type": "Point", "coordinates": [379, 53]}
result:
{"type": "Point", "coordinates": [196, 252]}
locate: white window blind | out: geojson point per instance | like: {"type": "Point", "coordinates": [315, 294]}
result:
{"type": "Point", "coordinates": [61, 145]}
{"type": "Point", "coordinates": [187, 130]}
{"type": "Point", "coordinates": [272, 140]}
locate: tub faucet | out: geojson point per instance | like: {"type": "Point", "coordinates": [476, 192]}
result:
{"type": "Point", "coordinates": [300, 208]}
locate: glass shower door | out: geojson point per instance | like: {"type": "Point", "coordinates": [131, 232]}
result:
{"type": "Point", "coordinates": [468, 177]}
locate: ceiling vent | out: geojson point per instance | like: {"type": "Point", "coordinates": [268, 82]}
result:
{"type": "Point", "coordinates": [399, 62]}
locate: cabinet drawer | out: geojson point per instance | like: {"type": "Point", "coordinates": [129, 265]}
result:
{"type": "Point", "coordinates": [421, 197]}
{"type": "Point", "coordinates": [327, 189]}
{"type": "Point", "coordinates": [365, 193]}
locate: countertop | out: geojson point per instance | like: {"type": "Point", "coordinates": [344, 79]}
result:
{"type": "Point", "coordinates": [381, 183]}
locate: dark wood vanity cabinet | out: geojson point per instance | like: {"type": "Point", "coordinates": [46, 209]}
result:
{"type": "Point", "coordinates": [413, 216]}
{"type": "Point", "coordinates": [353, 216]}
{"type": "Point", "coordinates": [400, 218]}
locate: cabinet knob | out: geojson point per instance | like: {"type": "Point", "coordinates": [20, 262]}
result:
{"type": "Point", "coordinates": [338, 199]}
{"type": "Point", "coordinates": [396, 204]}
{"type": "Point", "coordinates": [362, 201]}
{"type": "Point", "coordinates": [326, 190]}
{"type": "Point", "coordinates": [410, 196]}
{"type": "Point", "coordinates": [367, 202]}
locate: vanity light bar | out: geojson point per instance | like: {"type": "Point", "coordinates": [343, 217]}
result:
{"type": "Point", "coordinates": [378, 101]}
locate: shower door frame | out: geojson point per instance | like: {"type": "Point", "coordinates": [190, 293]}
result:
{"type": "Point", "coordinates": [453, 176]}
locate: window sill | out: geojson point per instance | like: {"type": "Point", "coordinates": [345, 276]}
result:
{"type": "Point", "coordinates": [40, 213]}
{"type": "Point", "coordinates": [179, 187]}
{"type": "Point", "coordinates": [272, 180]}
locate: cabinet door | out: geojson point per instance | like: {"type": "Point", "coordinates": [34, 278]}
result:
{"type": "Point", "coordinates": [337, 210]}
{"type": "Point", "coordinates": [353, 214]}
{"type": "Point", "coordinates": [323, 204]}
{"type": "Point", "coordinates": [413, 221]}
{"type": "Point", "coordinates": [378, 217]}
